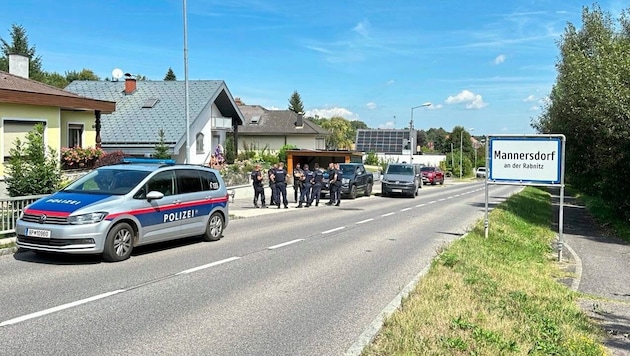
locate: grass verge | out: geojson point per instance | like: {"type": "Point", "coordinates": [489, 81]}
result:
{"type": "Point", "coordinates": [494, 296]}
{"type": "Point", "coordinates": [605, 215]}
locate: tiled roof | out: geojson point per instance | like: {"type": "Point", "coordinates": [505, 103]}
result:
{"type": "Point", "coordinates": [133, 124]}
{"type": "Point", "coordinates": [17, 83]}
{"type": "Point", "coordinates": [260, 121]}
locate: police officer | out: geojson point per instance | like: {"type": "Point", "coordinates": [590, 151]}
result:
{"type": "Point", "coordinates": [338, 181]}
{"type": "Point", "coordinates": [316, 187]}
{"type": "Point", "coordinates": [272, 183]}
{"type": "Point", "coordinates": [259, 188]}
{"type": "Point", "coordinates": [307, 180]}
{"type": "Point", "coordinates": [331, 183]}
{"type": "Point", "coordinates": [281, 185]}
{"type": "Point", "coordinates": [297, 181]}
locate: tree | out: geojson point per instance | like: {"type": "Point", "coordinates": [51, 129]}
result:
{"type": "Point", "coordinates": [354, 126]}
{"type": "Point", "coordinates": [295, 103]}
{"type": "Point", "coordinates": [19, 45]}
{"type": "Point", "coordinates": [589, 105]}
{"type": "Point", "coordinates": [31, 170]}
{"type": "Point", "coordinates": [84, 74]}
{"type": "Point", "coordinates": [162, 150]}
{"type": "Point", "coordinates": [170, 75]}
{"type": "Point", "coordinates": [438, 138]}
{"type": "Point", "coordinates": [339, 129]}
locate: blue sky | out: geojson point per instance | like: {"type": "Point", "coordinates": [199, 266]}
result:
{"type": "Point", "coordinates": [485, 65]}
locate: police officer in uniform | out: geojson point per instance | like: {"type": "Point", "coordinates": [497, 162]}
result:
{"type": "Point", "coordinates": [297, 181]}
{"type": "Point", "coordinates": [272, 183]}
{"type": "Point", "coordinates": [331, 183]}
{"type": "Point", "coordinates": [259, 188]}
{"type": "Point", "coordinates": [316, 187]}
{"type": "Point", "coordinates": [338, 178]}
{"type": "Point", "coordinates": [307, 180]}
{"type": "Point", "coordinates": [281, 185]}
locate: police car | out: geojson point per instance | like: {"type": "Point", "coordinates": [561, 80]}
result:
{"type": "Point", "coordinates": [115, 208]}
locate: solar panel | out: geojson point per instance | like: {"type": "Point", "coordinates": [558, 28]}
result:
{"type": "Point", "coordinates": [388, 141]}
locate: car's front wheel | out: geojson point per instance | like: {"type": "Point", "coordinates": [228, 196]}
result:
{"type": "Point", "coordinates": [353, 191]}
{"type": "Point", "coordinates": [214, 229]}
{"type": "Point", "coordinates": [119, 243]}
{"type": "Point", "coordinates": [368, 189]}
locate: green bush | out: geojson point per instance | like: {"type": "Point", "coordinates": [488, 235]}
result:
{"type": "Point", "coordinates": [371, 159]}
{"type": "Point", "coordinates": [282, 154]}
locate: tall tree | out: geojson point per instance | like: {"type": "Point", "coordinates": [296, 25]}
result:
{"type": "Point", "coordinates": [170, 75]}
{"type": "Point", "coordinates": [295, 102]}
{"type": "Point", "coordinates": [84, 74]}
{"type": "Point", "coordinates": [338, 127]}
{"type": "Point", "coordinates": [594, 117]}
{"type": "Point", "coordinates": [19, 45]}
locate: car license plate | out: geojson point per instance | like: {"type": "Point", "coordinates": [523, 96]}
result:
{"type": "Point", "coordinates": [38, 233]}
{"type": "Point", "coordinates": [396, 190]}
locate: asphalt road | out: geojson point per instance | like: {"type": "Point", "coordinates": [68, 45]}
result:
{"type": "Point", "coordinates": [303, 282]}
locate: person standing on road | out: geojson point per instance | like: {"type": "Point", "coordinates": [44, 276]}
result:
{"type": "Point", "coordinates": [281, 185]}
{"type": "Point", "coordinates": [307, 180]}
{"type": "Point", "coordinates": [316, 187]}
{"type": "Point", "coordinates": [259, 188]}
{"type": "Point", "coordinates": [272, 182]}
{"type": "Point", "coordinates": [297, 181]}
{"type": "Point", "coordinates": [331, 177]}
{"type": "Point", "coordinates": [338, 181]}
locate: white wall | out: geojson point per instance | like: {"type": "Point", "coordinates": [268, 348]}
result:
{"type": "Point", "coordinates": [427, 160]}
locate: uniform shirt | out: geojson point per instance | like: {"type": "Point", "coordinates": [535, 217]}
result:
{"type": "Point", "coordinates": [318, 176]}
{"type": "Point", "coordinates": [281, 175]}
{"type": "Point", "coordinates": [270, 172]}
{"type": "Point", "coordinates": [331, 175]}
{"type": "Point", "coordinates": [255, 181]}
{"type": "Point", "coordinates": [339, 173]}
{"type": "Point", "coordinates": [297, 173]}
{"type": "Point", "coordinates": [308, 175]}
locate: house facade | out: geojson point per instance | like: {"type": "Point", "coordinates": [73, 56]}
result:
{"type": "Point", "coordinates": [272, 129]}
{"type": "Point", "coordinates": [147, 107]}
{"type": "Point", "coordinates": [69, 120]}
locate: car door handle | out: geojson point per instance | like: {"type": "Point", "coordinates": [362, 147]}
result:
{"type": "Point", "coordinates": [177, 202]}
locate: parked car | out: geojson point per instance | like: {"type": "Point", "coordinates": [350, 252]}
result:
{"type": "Point", "coordinates": [401, 178]}
{"type": "Point", "coordinates": [355, 179]}
{"type": "Point", "coordinates": [432, 175]}
{"type": "Point", "coordinates": [481, 172]}
{"type": "Point", "coordinates": [115, 208]}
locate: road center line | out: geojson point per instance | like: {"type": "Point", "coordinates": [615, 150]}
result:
{"type": "Point", "coordinates": [441, 199]}
{"type": "Point", "coordinates": [333, 230]}
{"type": "Point", "coordinates": [195, 269]}
{"type": "Point", "coordinates": [433, 201]}
{"type": "Point", "coordinates": [363, 221]}
{"type": "Point", "coordinates": [420, 205]}
{"type": "Point", "coordinates": [284, 244]}
{"type": "Point", "coordinates": [405, 209]}
{"type": "Point", "coordinates": [388, 214]}
{"type": "Point", "coordinates": [59, 308]}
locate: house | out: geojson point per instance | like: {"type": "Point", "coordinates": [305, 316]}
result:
{"type": "Point", "coordinates": [272, 129]}
{"type": "Point", "coordinates": [70, 120]}
{"type": "Point", "coordinates": [146, 107]}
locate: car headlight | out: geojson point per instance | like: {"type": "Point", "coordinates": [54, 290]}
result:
{"type": "Point", "coordinates": [345, 180]}
{"type": "Point", "coordinates": [90, 218]}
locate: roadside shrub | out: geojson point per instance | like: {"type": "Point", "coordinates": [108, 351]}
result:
{"type": "Point", "coordinates": [109, 158]}
{"type": "Point", "coordinates": [282, 154]}
{"type": "Point", "coordinates": [79, 157]}
{"type": "Point", "coordinates": [371, 159]}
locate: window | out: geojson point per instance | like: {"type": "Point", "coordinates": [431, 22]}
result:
{"type": "Point", "coordinates": [75, 134]}
{"type": "Point", "coordinates": [199, 143]}
{"type": "Point", "coordinates": [188, 180]}
{"type": "Point", "coordinates": [209, 181]}
{"type": "Point", "coordinates": [13, 130]}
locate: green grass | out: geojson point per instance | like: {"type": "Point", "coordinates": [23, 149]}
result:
{"type": "Point", "coordinates": [494, 296]}
{"type": "Point", "coordinates": [605, 215]}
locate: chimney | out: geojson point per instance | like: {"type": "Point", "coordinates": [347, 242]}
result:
{"type": "Point", "coordinates": [130, 84]}
{"type": "Point", "coordinates": [18, 65]}
{"type": "Point", "coordinates": [238, 102]}
{"type": "Point", "coordinates": [300, 120]}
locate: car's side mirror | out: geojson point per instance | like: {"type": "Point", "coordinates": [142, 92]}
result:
{"type": "Point", "coordinates": [154, 194]}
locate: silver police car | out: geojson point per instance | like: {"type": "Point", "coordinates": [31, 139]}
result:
{"type": "Point", "coordinates": [115, 208]}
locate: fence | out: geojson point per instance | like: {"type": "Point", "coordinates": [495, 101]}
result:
{"type": "Point", "coordinates": [10, 210]}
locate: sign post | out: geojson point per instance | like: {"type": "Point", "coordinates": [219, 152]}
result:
{"type": "Point", "coordinates": [534, 160]}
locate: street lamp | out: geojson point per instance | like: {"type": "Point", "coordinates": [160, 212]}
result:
{"type": "Point", "coordinates": [461, 150]}
{"type": "Point", "coordinates": [411, 131]}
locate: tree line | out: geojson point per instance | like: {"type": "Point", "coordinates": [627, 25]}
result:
{"type": "Point", "coordinates": [590, 104]}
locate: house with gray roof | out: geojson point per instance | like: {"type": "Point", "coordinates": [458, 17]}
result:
{"type": "Point", "coordinates": [146, 107]}
{"type": "Point", "coordinates": [272, 129]}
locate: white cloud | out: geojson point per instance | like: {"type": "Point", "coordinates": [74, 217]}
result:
{"type": "Point", "coordinates": [534, 108]}
{"type": "Point", "coordinates": [390, 82]}
{"type": "Point", "coordinates": [362, 28]}
{"type": "Point", "coordinates": [273, 108]}
{"type": "Point", "coordinates": [387, 125]}
{"type": "Point", "coordinates": [529, 98]}
{"type": "Point", "coordinates": [500, 59]}
{"type": "Point", "coordinates": [472, 100]}
{"type": "Point", "coordinates": [331, 112]}
{"type": "Point", "coordinates": [434, 107]}
{"type": "Point", "coordinates": [371, 106]}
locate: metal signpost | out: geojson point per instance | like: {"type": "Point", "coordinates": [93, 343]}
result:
{"type": "Point", "coordinates": [534, 160]}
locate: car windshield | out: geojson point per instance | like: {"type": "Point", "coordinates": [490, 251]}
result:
{"type": "Point", "coordinates": [107, 181]}
{"type": "Point", "coordinates": [427, 169]}
{"type": "Point", "coordinates": [347, 169]}
{"type": "Point", "coordinates": [400, 169]}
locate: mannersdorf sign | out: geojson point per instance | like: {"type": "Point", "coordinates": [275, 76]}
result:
{"type": "Point", "coordinates": [536, 160]}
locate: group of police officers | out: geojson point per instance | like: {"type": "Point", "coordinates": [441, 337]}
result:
{"type": "Point", "coordinates": [307, 184]}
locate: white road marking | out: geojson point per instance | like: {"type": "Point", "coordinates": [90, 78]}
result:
{"type": "Point", "coordinates": [388, 214]}
{"type": "Point", "coordinates": [441, 199]}
{"type": "Point", "coordinates": [59, 308]}
{"type": "Point", "coordinates": [405, 209]}
{"type": "Point", "coordinates": [433, 201]}
{"type": "Point", "coordinates": [195, 269]}
{"type": "Point", "coordinates": [333, 230]}
{"type": "Point", "coordinates": [456, 195]}
{"type": "Point", "coordinates": [284, 244]}
{"type": "Point", "coordinates": [449, 197]}
{"type": "Point", "coordinates": [364, 221]}
{"type": "Point", "coordinates": [420, 205]}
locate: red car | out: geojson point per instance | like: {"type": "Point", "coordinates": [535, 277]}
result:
{"type": "Point", "coordinates": [432, 175]}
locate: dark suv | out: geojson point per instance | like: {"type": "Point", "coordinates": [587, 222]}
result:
{"type": "Point", "coordinates": [432, 175]}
